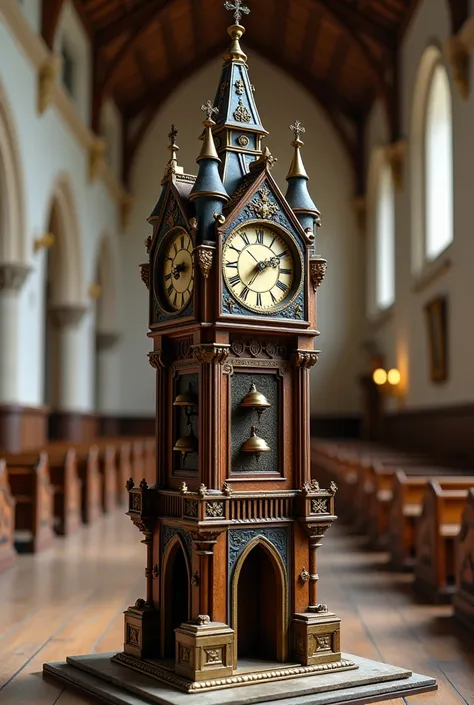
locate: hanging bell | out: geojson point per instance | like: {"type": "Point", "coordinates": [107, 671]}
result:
{"type": "Point", "coordinates": [255, 400]}
{"type": "Point", "coordinates": [255, 444]}
{"type": "Point", "coordinates": [186, 444]}
{"type": "Point", "coordinates": [187, 398]}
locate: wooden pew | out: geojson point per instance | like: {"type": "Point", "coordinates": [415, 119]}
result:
{"type": "Point", "coordinates": [380, 523]}
{"type": "Point", "coordinates": [437, 528]}
{"type": "Point", "coordinates": [7, 521]}
{"type": "Point", "coordinates": [463, 600]}
{"type": "Point", "coordinates": [28, 476]}
{"type": "Point", "coordinates": [87, 463]}
{"type": "Point", "coordinates": [108, 471]}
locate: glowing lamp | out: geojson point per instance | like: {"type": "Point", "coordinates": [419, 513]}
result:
{"type": "Point", "coordinates": [379, 376]}
{"type": "Point", "coordinates": [393, 377]}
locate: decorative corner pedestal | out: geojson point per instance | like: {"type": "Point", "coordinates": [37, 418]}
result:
{"type": "Point", "coordinates": [316, 638]}
{"type": "Point", "coordinates": [141, 626]}
{"type": "Point", "coordinates": [204, 650]}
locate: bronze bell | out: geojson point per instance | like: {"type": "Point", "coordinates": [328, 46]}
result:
{"type": "Point", "coordinates": [187, 398]}
{"type": "Point", "coordinates": [186, 444]}
{"type": "Point", "coordinates": [255, 444]}
{"type": "Point", "coordinates": [255, 400]}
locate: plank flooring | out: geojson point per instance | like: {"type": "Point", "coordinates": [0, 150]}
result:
{"type": "Point", "coordinates": [70, 600]}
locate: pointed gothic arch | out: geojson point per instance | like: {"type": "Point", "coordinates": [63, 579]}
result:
{"type": "Point", "coordinates": [12, 224]}
{"type": "Point", "coordinates": [260, 584]}
{"type": "Point", "coordinates": [175, 593]}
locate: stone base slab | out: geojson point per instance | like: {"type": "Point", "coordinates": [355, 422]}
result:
{"type": "Point", "coordinates": [109, 682]}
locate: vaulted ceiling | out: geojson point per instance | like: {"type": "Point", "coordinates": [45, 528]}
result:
{"type": "Point", "coordinates": [345, 52]}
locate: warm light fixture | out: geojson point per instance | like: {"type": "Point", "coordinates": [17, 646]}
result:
{"type": "Point", "coordinates": [393, 377]}
{"type": "Point", "coordinates": [379, 376]}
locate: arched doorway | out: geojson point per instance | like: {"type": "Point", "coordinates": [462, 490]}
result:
{"type": "Point", "coordinates": [259, 604]}
{"type": "Point", "coordinates": [175, 594]}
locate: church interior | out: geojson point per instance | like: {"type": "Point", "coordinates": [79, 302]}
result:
{"type": "Point", "coordinates": [236, 378]}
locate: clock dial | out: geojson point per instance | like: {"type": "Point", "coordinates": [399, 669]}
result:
{"type": "Point", "coordinates": [177, 272]}
{"type": "Point", "coordinates": [260, 267]}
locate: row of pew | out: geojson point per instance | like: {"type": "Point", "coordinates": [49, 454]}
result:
{"type": "Point", "coordinates": [416, 507]}
{"type": "Point", "coordinates": [57, 489]}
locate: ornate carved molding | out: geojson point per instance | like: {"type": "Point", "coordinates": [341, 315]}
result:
{"type": "Point", "coordinates": [396, 153]}
{"type": "Point", "coordinates": [306, 358]}
{"type": "Point", "coordinates": [317, 271]}
{"type": "Point", "coordinates": [145, 273]}
{"type": "Point", "coordinates": [106, 340]}
{"type": "Point", "coordinates": [13, 276]}
{"type": "Point", "coordinates": [205, 257]}
{"type": "Point", "coordinates": [210, 353]}
{"type": "Point", "coordinates": [458, 56]}
{"type": "Point", "coordinates": [68, 315]}
{"type": "Point", "coordinates": [155, 358]}
{"type": "Point", "coordinates": [47, 76]}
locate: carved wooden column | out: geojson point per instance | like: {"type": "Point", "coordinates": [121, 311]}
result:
{"type": "Point", "coordinates": [203, 544]}
{"type": "Point", "coordinates": [211, 356]}
{"type": "Point", "coordinates": [67, 318]}
{"type": "Point", "coordinates": [108, 382]}
{"type": "Point", "coordinates": [304, 361]}
{"type": "Point", "coordinates": [12, 278]}
{"type": "Point", "coordinates": [156, 360]}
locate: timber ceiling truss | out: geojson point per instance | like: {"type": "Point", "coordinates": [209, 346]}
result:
{"type": "Point", "coordinates": [344, 52]}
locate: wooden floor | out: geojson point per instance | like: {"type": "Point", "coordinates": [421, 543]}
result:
{"type": "Point", "coordinates": [70, 599]}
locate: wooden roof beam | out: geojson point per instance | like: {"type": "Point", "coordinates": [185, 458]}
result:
{"type": "Point", "coordinates": [459, 12]}
{"type": "Point", "coordinates": [360, 22]}
{"type": "Point", "coordinates": [50, 13]}
{"type": "Point", "coordinates": [138, 18]}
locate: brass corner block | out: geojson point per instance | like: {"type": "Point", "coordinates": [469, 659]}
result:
{"type": "Point", "coordinates": [145, 273]}
{"type": "Point", "coordinates": [155, 358]}
{"type": "Point", "coordinates": [210, 353]}
{"type": "Point", "coordinates": [205, 257]}
{"type": "Point", "coordinates": [317, 271]}
{"type": "Point", "coordinates": [306, 358]}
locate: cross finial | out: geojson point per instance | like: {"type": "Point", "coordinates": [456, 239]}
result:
{"type": "Point", "coordinates": [239, 9]}
{"type": "Point", "coordinates": [172, 135]}
{"type": "Point", "coordinates": [209, 109]}
{"type": "Point", "coordinates": [298, 129]}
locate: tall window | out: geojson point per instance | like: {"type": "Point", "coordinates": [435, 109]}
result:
{"type": "Point", "coordinates": [385, 238]}
{"type": "Point", "coordinates": [68, 69]}
{"type": "Point", "coordinates": [438, 165]}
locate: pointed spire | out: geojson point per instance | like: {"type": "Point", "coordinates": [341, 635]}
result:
{"type": "Point", "coordinates": [208, 183]}
{"type": "Point", "coordinates": [236, 31]}
{"type": "Point", "coordinates": [172, 166]}
{"type": "Point", "coordinates": [298, 195]}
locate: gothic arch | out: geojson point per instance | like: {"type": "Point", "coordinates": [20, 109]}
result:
{"type": "Point", "coordinates": [12, 224]}
{"type": "Point", "coordinates": [173, 591]}
{"type": "Point", "coordinates": [280, 613]}
{"type": "Point", "coordinates": [67, 284]}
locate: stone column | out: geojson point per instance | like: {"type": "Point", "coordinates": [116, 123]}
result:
{"type": "Point", "coordinates": [67, 318]}
{"type": "Point", "coordinates": [107, 380]}
{"type": "Point", "coordinates": [12, 278]}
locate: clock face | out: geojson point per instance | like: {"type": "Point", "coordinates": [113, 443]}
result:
{"type": "Point", "coordinates": [261, 267]}
{"type": "Point", "coordinates": [176, 271]}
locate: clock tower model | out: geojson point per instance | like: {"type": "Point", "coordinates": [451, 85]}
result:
{"type": "Point", "coordinates": [234, 521]}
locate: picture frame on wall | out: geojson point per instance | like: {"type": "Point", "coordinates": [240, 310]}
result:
{"type": "Point", "coordinates": [436, 323]}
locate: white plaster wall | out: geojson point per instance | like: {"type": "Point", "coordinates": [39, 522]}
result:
{"type": "Point", "coordinates": [48, 150]}
{"type": "Point", "coordinates": [111, 128]}
{"type": "Point", "coordinates": [403, 338]}
{"type": "Point", "coordinates": [32, 11]}
{"type": "Point", "coordinates": [334, 386]}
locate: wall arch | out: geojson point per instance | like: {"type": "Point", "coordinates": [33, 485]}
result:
{"type": "Point", "coordinates": [174, 550]}
{"type": "Point", "coordinates": [67, 283]}
{"type": "Point", "coordinates": [107, 274]}
{"type": "Point", "coordinates": [12, 208]}
{"type": "Point", "coordinates": [431, 60]}
{"type": "Point", "coordinates": [281, 584]}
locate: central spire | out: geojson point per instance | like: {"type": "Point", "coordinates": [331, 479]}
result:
{"type": "Point", "coordinates": [238, 131]}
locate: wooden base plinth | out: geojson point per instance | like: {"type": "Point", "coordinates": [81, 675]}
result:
{"type": "Point", "coordinates": [108, 681]}
{"type": "Point", "coordinates": [141, 626]}
{"type": "Point", "coordinates": [204, 651]}
{"type": "Point", "coordinates": [316, 638]}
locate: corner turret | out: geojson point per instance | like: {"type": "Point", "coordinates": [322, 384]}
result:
{"type": "Point", "coordinates": [208, 192]}
{"type": "Point", "coordinates": [297, 194]}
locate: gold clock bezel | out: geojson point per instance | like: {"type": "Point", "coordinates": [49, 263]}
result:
{"type": "Point", "coordinates": [297, 259]}
{"type": "Point", "coordinates": [158, 282]}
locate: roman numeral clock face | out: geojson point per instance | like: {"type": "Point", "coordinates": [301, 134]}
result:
{"type": "Point", "coordinates": [174, 272]}
{"type": "Point", "coordinates": [261, 268]}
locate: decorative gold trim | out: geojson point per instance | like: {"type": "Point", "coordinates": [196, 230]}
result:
{"type": "Point", "coordinates": [210, 353]}
{"type": "Point", "coordinates": [281, 616]}
{"type": "Point", "coordinates": [317, 271]}
{"type": "Point", "coordinates": [166, 675]}
{"type": "Point", "coordinates": [205, 256]}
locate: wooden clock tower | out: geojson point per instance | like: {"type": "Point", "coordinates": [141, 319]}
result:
{"type": "Point", "coordinates": [234, 521]}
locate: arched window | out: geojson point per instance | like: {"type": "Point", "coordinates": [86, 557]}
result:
{"type": "Point", "coordinates": [438, 165]}
{"type": "Point", "coordinates": [384, 238]}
